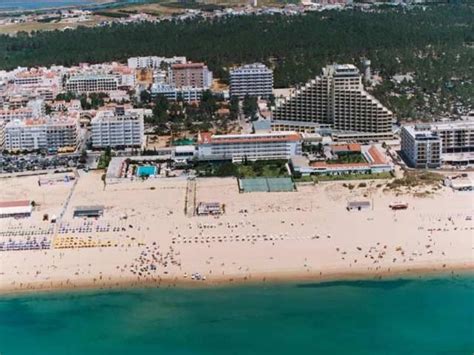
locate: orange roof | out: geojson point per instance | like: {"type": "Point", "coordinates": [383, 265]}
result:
{"type": "Point", "coordinates": [377, 156]}
{"type": "Point", "coordinates": [20, 203]}
{"type": "Point", "coordinates": [351, 147]}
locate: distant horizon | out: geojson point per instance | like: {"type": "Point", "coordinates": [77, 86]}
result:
{"type": "Point", "coordinates": [41, 4]}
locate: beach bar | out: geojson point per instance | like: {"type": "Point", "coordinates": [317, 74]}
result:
{"type": "Point", "coordinates": [358, 205]}
{"type": "Point", "coordinates": [15, 209]}
{"type": "Point", "coordinates": [210, 208]}
{"type": "Point", "coordinates": [88, 211]}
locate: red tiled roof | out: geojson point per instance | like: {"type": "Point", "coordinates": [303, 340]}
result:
{"type": "Point", "coordinates": [377, 156]}
{"type": "Point", "coordinates": [20, 203]}
{"type": "Point", "coordinates": [351, 147]}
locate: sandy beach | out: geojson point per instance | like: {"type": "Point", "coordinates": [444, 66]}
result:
{"type": "Point", "coordinates": [145, 237]}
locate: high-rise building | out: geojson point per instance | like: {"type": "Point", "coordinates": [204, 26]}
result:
{"type": "Point", "coordinates": [252, 80]}
{"type": "Point", "coordinates": [337, 99]}
{"type": "Point", "coordinates": [420, 146]}
{"type": "Point", "coordinates": [456, 136]}
{"type": "Point", "coordinates": [45, 133]}
{"type": "Point", "coordinates": [195, 75]}
{"type": "Point", "coordinates": [113, 129]}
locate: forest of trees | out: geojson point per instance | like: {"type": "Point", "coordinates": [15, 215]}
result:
{"type": "Point", "coordinates": [436, 43]}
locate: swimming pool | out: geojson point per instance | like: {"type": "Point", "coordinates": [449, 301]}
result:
{"type": "Point", "coordinates": [146, 170]}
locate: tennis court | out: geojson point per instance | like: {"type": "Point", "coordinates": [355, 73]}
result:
{"type": "Point", "coordinates": [266, 185]}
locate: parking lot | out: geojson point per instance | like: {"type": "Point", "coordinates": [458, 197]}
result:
{"type": "Point", "coordinates": [34, 162]}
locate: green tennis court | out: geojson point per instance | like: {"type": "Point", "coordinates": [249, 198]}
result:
{"type": "Point", "coordinates": [266, 185]}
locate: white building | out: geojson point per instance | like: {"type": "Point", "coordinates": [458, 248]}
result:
{"type": "Point", "coordinates": [153, 61]}
{"type": "Point", "coordinates": [421, 147]}
{"type": "Point", "coordinates": [337, 99]}
{"type": "Point", "coordinates": [241, 147]}
{"type": "Point", "coordinates": [456, 136]}
{"type": "Point", "coordinates": [116, 130]}
{"type": "Point", "coordinates": [252, 80]}
{"type": "Point", "coordinates": [92, 83]}
{"type": "Point", "coordinates": [187, 94]}
{"type": "Point", "coordinates": [46, 133]}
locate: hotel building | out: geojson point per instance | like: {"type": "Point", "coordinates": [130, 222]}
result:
{"type": "Point", "coordinates": [92, 83]}
{"type": "Point", "coordinates": [110, 129]}
{"type": "Point", "coordinates": [46, 133]}
{"type": "Point", "coordinates": [241, 147]}
{"type": "Point", "coordinates": [421, 147]}
{"type": "Point", "coordinates": [252, 80]}
{"type": "Point", "coordinates": [337, 100]}
{"type": "Point", "coordinates": [456, 136]}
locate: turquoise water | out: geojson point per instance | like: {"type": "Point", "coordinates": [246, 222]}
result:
{"type": "Point", "coordinates": [146, 170]}
{"type": "Point", "coordinates": [39, 4]}
{"type": "Point", "coordinates": [390, 317]}
{"type": "Point", "coordinates": [42, 4]}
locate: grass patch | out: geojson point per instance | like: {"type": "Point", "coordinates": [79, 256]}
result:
{"type": "Point", "coordinates": [317, 178]}
{"type": "Point", "coordinates": [269, 168]}
{"type": "Point", "coordinates": [348, 159]}
{"type": "Point", "coordinates": [105, 159]}
{"type": "Point", "coordinates": [416, 178]}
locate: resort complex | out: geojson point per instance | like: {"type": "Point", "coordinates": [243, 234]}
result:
{"type": "Point", "coordinates": [338, 101]}
{"type": "Point", "coordinates": [153, 173]}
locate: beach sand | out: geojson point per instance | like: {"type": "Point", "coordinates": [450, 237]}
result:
{"type": "Point", "coordinates": [262, 237]}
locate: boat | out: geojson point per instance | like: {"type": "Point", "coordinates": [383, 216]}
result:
{"type": "Point", "coordinates": [398, 206]}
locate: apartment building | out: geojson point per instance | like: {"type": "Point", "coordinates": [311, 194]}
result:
{"type": "Point", "coordinates": [153, 61]}
{"type": "Point", "coordinates": [195, 75]}
{"type": "Point", "coordinates": [2, 134]}
{"type": "Point", "coordinates": [45, 133]}
{"type": "Point", "coordinates": [17, 114]}
{"type": "Point", "coordinates": [420, 146]}
{"type": "Point", "coordinates": [187, 94]}
{"type": "Point", "coordinates": [337, 99]}
{"type": "Point", "coordinates": [241, 147]}
{"type": "Point", "coordinates": [92, 83]}
{"type": "Point", "coordinates": [252, 80]}
{"type": "Point", "coordinates": [456, 136]}
{"type": "Point", "coordinates": [117, 129]}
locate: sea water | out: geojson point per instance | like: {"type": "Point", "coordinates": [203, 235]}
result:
{"type": "Point", "coordinates": [426, 316]}
{"type": "Point", "coordinates": [42, 4]}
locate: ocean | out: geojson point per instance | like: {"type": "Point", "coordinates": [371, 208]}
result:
{"type": "Point", "coordinates": [19, 5]}
{"type": "Point", "coordinates": [425, 316]}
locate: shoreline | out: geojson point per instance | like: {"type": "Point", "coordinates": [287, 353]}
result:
{"type": "Point", "coordinates": [144, 239]}
{"type": "Point", "coordinates": [257, 280]}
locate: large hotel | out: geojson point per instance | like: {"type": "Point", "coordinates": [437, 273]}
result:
{"type": "Point", "coordinates": [336, 100]}
{"type": "Point", "coordinates": [45, 133]}
{"type": "Point", "coordinates": [241, 147]}
{"type": "Point", "coordinates": [112, 129]}
{"type": "Point", "coordinates": [428, 146]}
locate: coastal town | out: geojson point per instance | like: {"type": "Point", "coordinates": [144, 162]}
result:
{"type": "Point", "coordinates": [152, 172]}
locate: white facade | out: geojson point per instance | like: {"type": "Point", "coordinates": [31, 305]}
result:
{"type": "Point", "coordinates": [421, 147]}
{"type": "Point", "coordinates": [46, 133]}
{"type": "Point", "coordinates": [338, 99]}
{"type": "Point", "coordinates": [111, 130]}
{"type": "Point", "coordinates": [241, 147]}
{"type": "Point", "coordinates": [456, 136]}
{"type": "Point", "coordinates": [252, 80]}
{"type": "Point", "coordinates": [187, 94]}
{"type": "Point", "coordinates": [92, 83]}
{"type": "Point", "coordinates": [153, 61]}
